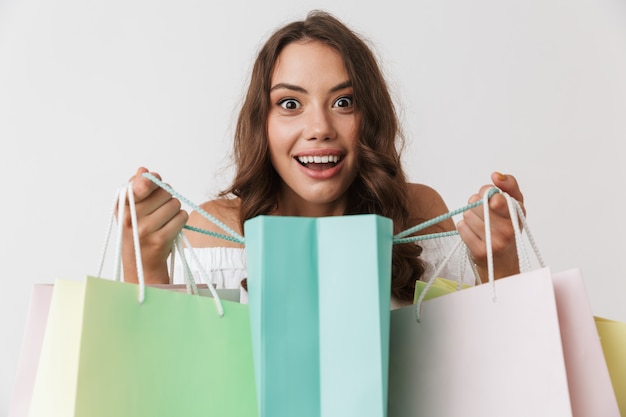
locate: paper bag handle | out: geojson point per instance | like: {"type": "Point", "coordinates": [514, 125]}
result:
{"type": "Point", "coordinates": [517, 216]}
{"type": "Point", "coordinates": [120, 201]}
{"type": "Point", "coordinates": [231, 236]}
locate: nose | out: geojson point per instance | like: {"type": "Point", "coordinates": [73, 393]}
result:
{"type": "Point", "coordinates": [319, 124]}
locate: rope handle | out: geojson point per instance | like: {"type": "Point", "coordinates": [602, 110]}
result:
{"type": "Point", "coordinates": [517, 216]}
{"type": "Point", "coordinates": [121, 195]}
{"type": "Point", "coordinates": [237, 238]}
{"type": "Point", "coordinates": [231, 234]}
{"type": "Point", "coordinates": [401, 237]}
{"type": "Point", "coordinates": [119, 201]}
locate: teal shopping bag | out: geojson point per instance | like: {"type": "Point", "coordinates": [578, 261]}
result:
{"type": "Point", "coordinates": [319, 296]}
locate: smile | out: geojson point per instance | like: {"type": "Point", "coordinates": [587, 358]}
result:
{"type": "Point", "coordinates": [318, 159]}
{"type": "Point", "coordinates": [318, 162]}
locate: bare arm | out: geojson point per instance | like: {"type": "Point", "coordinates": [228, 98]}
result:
{"type": "Point", "coordinates": [226, 211]}
{"type": "Point", "coordinates": [426, 204]}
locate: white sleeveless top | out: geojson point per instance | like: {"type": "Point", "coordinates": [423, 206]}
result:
{"type": "Point", "coordinates": [226, 267]}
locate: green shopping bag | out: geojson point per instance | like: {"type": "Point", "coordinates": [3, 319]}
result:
{"type": "Point", "coordinates": [319, 296]}
{"type": "Point", "coordinates": [117, 349]}
{"type": "Point", "coordinates": [106, 354]}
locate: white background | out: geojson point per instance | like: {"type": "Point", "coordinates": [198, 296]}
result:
{"type": "Point", "coordinates": [90, 90]}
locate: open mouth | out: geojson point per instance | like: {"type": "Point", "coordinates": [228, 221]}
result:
{"type": "Point", "coordinates": [318, 162]}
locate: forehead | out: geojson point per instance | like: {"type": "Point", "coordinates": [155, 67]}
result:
{"type": "Point", "coordinates": [306, 60]}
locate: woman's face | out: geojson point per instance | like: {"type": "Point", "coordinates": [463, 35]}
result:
{"type": "Point", "coordinates": [312, 128]}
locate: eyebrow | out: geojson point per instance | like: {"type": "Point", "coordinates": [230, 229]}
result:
{"type": "Point", "coordinates": [299, 89]}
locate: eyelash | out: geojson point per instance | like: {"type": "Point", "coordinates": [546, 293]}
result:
{"type": "Point", "coordinates": [349, 98]}
{"type": "Point", "coordinates": [287, 100]}
{"type": "Point", "coordinates": [282, 102]}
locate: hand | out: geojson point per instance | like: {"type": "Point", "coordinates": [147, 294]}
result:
{"type": "Point", "coordinates": [472, 229]}
{"type": "Point", "coordinates": [159, 220]}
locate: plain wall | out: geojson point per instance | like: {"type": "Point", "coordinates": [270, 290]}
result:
{"type": "Point", "coordinates": [91, 90]}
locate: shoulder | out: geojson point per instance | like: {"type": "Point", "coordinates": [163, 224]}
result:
{"type": "Point", "coordinates": [226, 210]}
{"type": "Point", "coordinates": [426, 203]}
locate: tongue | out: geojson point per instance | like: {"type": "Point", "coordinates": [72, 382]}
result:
{"type": "Point", "coordinates": [320, 167]}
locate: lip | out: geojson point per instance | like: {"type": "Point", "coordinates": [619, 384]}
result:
{"type": "Point", "coordinates": [323, 174]}
{"type": "Point", "coordinates": [319, 152]}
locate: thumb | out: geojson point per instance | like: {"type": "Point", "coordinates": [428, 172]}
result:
{"type": "Point", "coordinates": [508, 184]}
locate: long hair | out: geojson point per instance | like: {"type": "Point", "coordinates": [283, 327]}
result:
{"type": "Point", "coordinates": [380, 186]}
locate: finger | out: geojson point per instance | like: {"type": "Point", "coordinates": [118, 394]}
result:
{"type": "Point", "coordinates": [474, 223]}
{"type": "Point", "coordinates": [508, 184]}
{"type": "Point", "coordinates": [138, 174]}
{"type": "Point", "coordinates": [173, 227]}
{"type": "Point", "coordinates": [154, 202]}
{"type": "Point", "coordinates": [162, 215]}
{"type": "Point", "coordinates": [497, 202]}
{"type": "Point", "coordinates": [498, 206]}
{"type": "Point", "coordinates": [472, 231]}
{"type": "Point", "coordinates": [499, 217]}
{"type": "Point", "coordinates": [143, 187]}
{"type": "Point", "coordinates": [475, 243]}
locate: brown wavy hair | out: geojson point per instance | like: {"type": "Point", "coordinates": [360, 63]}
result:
{"type": "Point", "coordinates": [381, 188]}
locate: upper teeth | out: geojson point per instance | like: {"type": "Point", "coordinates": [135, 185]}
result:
{"type": "Point", "coordinates": [318, 159]}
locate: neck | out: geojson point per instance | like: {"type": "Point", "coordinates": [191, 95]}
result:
{"type": "Point", "coordinates": [301, 208]}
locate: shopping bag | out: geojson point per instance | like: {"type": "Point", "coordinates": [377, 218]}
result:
{"type": "Point", "coordinates": [613, 339]}
{"type": "Point", "coordinates": [36, 319]}
{"type": "Point", "coordinates": [472, 356]}
{"type": "Point", "coordinates": [106, 354]}
{"type": "Point", "coordinates": [589, 383]}
{"type": "Point", "coordinates": [319, 296]}
{"type": "Point", "coordinates": [117, 349]}
{"type": "Point", "coordinates": [524, 345]}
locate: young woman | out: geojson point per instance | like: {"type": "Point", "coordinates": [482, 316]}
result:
{"type": "Point", "coordinates": [317, 135]}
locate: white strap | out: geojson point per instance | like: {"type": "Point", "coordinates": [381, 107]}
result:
{"type": "Point", "coordinates": [138, 262]}
{"type": "Point", "coordinates": [120, 200]}
{"type": "Point", "coordinates": [420, 299]}
{"type": "Point", "coordinates": [517, 216]}
{"type": "Point", "coordinates": [189, 280]}
{"type": "Point", "coordinates": [108, 234]}
{"type": "Point", "coordinates": [190, 283]}
{"type": "Point", "coordinates": [487, 220]}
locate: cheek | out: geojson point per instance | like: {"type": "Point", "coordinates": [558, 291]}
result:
{"type": "Point", "coordinates": [275, 141]}
{"type": "Point", "coordinates": [279, 134]}
{"type": "Point", "coordinates": [352, 126]}
{"type": "Point", "coordinates": [351, 131]}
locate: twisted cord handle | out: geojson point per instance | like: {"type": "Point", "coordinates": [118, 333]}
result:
{"type": "Point", "coordinates": [189, 280]}
{"type": "Point", "coordinates": [121, 195]}
{"type": "Point", "coordinates": [401, 237]}
{"type": "Point", "coordinates": [517, 216]}
{"type": "Point", "coordinates": [234, 236]}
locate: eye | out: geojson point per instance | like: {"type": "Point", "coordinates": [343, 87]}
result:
{"type": "Point", "coordinates": [343, 102]}
{"type": "Point", "coordinates": [289, 104]}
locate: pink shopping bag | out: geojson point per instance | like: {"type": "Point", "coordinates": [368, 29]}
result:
{"type": "Point", "coordinates": [588, 378]}
{"type": "Point", "coordinates": [472, 356]}
{"type": "Point", "coordinates": [525, 345]}
{"type": "Point", "coordinates": [36, 319]}
{"type": "Point", "coordinates": [589, 385]}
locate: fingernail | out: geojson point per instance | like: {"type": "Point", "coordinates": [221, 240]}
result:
{"type": "Point", "coordinates": [501, 177]}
